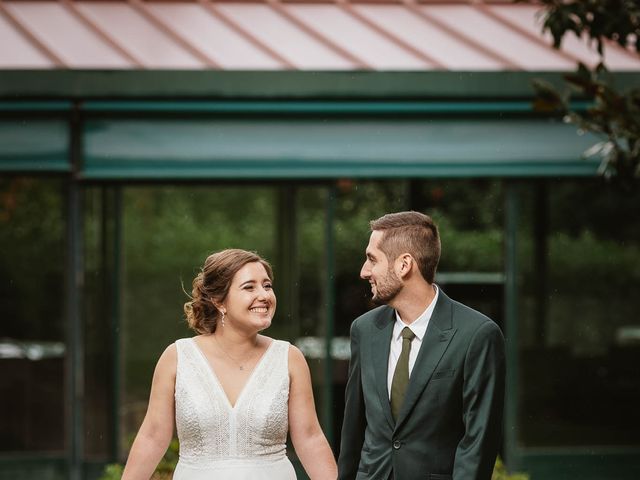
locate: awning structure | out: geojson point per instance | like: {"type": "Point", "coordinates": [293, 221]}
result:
{"type": "Point", "coordinates": [35, 145]}
{"type": "Point", "coordinates": [293, 147]}
{"type": "Point", "coordinates": [378, 35]}
{"type": "Point", "coordinates": [284, 89]}
{"type": "Point", "coordinates": [316, 149]}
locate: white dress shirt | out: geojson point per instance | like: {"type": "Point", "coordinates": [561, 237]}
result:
{"type": "Point", "coordinates": [419, 328]}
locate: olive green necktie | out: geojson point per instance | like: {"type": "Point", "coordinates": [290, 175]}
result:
{"type": "Point", "coordinates": [401, 373]}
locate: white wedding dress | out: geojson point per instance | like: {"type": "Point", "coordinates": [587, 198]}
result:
{"type": "Point", "coordinates": [246, 441]}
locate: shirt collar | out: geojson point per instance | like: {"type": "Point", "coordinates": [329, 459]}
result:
{"type": "Point", "coordinates": [419, 326]}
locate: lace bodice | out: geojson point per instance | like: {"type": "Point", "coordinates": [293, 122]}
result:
{"type": "Point", "coordinates": [210, 429]}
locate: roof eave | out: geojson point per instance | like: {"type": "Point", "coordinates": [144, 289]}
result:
{"type": "Point", "coordinates": [272, 85]}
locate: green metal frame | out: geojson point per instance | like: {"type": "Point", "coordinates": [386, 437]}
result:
{"type": "Point", "coordinates": [583, 464]}
{"type": "Point", "coordinates": [75, 333]}
{"type": "Point", "coordinates": [327, 121]}
{"type": "Point", "coordinates": [116, 301]}
{"type": "Point", "coordinates": [29, 467]}
{"type": "Point", "coordinates": [277, 107]}
{"type": "Point", "coordinates": [330, 300]}
{"type": "Point", "coordinates": [34, 143]}
{"type": "Point", "coordinates": [319, 107]}
{"type": "Point", "coordinates": [512, 210]}
{"type": "Point", "coordinates": [275, 85]}
{"type": "Point", "coordinates": [162, 94]}
{"type": "Point", "coordinates": [318, 147]}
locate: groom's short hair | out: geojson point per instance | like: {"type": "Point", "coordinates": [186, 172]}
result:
{"type": "Point", "coordinates": [410, 232]}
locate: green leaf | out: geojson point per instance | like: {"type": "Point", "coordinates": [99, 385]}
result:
{"type": "Point", "coordinates": [547, 98]}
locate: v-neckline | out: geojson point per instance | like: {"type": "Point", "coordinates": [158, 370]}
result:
{"type": "Point", "coordinates": [217, 381]}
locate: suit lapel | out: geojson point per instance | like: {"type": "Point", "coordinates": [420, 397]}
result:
{"type": "Point", "coordinates": [380, 357]}
{"type": "Point", "coordinates": [435, 342]}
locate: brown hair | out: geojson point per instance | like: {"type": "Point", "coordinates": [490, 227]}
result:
{"type": "Point", "coordinates": [410, 232]}
{"type": "Point", "coordinates": [212, 284]}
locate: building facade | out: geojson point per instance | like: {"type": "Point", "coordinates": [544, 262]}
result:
{"type": "Point", "coordinates": [116, 184]}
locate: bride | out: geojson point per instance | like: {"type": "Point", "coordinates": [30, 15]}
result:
{"type": "Point", "coordinates": [232, 393]}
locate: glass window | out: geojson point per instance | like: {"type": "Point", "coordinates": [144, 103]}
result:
{"type": "Point", "coordinates": [359, 202]}
{"type": "Point", "coordinates": [579, 326]}
{"type": "Point", "coordinates": [470, 217]}
{"type": "Point", "coordinates": [32, 327]}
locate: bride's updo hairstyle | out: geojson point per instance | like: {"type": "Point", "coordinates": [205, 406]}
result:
{"type": "Point", "coordinates": [212, 285]}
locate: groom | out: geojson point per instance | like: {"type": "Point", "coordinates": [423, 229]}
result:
{"type": "Point", "coordinates": [425, 393]}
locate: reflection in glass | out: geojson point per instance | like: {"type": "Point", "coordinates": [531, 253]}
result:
{"type": "Point", "coordinates": [579, 325]}
{"type": "Point", "coordinates": [32, 334]}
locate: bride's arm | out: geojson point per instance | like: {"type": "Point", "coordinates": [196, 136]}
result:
{"type": "Point", "coordinates": [308, 439]}
{"type": "Point", "coordinates": [156, 431]}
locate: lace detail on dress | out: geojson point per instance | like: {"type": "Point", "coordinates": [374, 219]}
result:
{"type": "Point", "coordinates": [210, 430]}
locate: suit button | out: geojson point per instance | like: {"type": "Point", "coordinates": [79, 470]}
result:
{"type": "Point", "coordinates": [396, 444]}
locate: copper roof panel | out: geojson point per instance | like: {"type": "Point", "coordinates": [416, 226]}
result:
{"type": "Point", "coordinates": [287, 34]}
{"type": "Point", "coordinates": [62, 32]}
{"type": "Point", "coordinates": [497, 37]}
{"type": "Point", "coordinates": [280, 34]}
{"type": "Point", "coordinates": [427, 37]}
{"type": "Point", "coordinates": [22, 54]}
{"type": "Point", "coordinates": [357, 37]}
{"type": "Point", "coordinates": [208, 33]}
{"type": "Point", "coordinates": [524, 16]}
{"type": "Point", "coordinates": [141, 38]}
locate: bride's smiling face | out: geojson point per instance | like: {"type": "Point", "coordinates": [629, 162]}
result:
{"type": "Point", "coordinates": [251, 301]}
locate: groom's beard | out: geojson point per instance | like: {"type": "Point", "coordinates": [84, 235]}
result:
{"type": "Point", "coordinates": [387, 288]}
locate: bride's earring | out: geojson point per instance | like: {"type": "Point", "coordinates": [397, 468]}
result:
{"type": "Point", "coordinates": [222, 318]}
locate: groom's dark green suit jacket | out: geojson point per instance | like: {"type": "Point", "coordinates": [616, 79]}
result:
{"type": "Point", "coordinates": [450, 423]}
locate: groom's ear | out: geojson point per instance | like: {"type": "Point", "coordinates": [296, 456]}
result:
{"type": "Point", "coordinates": [404, 264]}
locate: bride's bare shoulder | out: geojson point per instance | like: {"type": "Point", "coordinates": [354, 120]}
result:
{"type": "Point", "coordinates": [167, 363]}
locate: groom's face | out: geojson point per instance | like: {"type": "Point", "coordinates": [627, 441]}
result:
{"type": "Point", "coordinates": [379, 272]}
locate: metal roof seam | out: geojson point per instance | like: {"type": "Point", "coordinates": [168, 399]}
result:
{"type": "Point", "coordinates": [415, 8]}
{"type": "Point", "coordinates": [302, 35]}
{"type": "Point", "coordinates": [309, 30]}
{"type": "Point", "coordinates": [621, 49]}
{"type": "Point", "coordinates": [482, 7]}
{"type": "Point", "coordinates": [427, 59]}
{"type": "Point", "coordinates": [100, 32]}
{"type": "Point", "coordinates": [219, 15]}
{"type": "Point", "coordinates": [31, 38]}
{"type": "Point", "coordinates": [140, 7]}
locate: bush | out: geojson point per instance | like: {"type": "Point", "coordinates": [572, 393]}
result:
{"type": "Point", "coordinates": [500, 473]}
{"type": "Point", "coordinates": [164, 471]}
{"type": "Point", "coordinates": [168, 464]}
{"type": "Point", "coordinates": [112, 472]}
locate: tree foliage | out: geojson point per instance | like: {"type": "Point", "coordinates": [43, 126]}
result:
{"type": "Point", "coordinates": [600, 20]}
{"type": "Point", "coordinates": [613, 115]}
